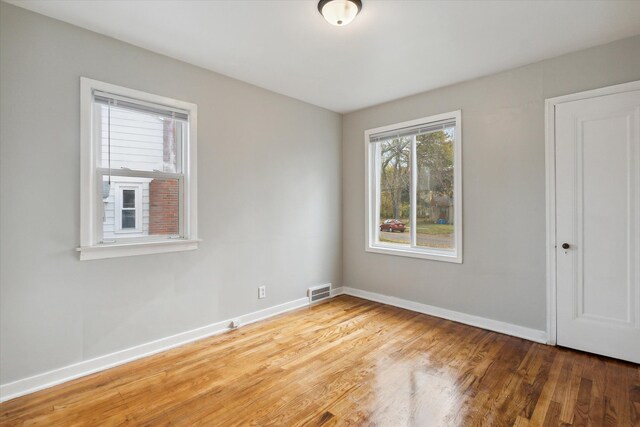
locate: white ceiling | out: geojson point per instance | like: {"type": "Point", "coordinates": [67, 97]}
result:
{"type": "Point", "coordinates": [392, 49]}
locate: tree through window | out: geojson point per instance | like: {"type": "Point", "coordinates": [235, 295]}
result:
{"type": "Point", "coordinates": [414, 201]}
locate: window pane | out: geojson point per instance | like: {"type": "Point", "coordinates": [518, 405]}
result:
{"type": "Point", "coordinates": [434, 198]}
{"type": "Point", "coordinates": [128, 198]}
{"type": "Point", "coordinates": [128, 218]}
{"type": "Point", "coordinates": [395, 185]}
{"type": "Point", "coordinates": [138, 140]}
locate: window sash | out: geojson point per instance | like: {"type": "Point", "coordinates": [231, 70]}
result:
{"type": "Point", "coordinates": [139, 174]}
{"type": "Point", "coordinates": [101, 173]}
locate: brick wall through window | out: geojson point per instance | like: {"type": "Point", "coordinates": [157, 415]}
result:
{"type": "Point", "coordinates": [163, 206]}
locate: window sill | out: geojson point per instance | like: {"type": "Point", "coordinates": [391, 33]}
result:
{"type": "Point", "coordinates": [431, 254]}
{"type": "Point", "coordinates": [133, 249]}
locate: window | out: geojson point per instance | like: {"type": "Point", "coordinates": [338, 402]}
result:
{"type": "Point", "coordinates": [138, 190]}
{"type": "Point", "coordinates": [128, 209]}
{"type": "Point", "coordinates": [414, 188]}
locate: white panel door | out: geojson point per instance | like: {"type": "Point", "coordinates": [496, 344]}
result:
{"type": "Point", "coordinates": [598, 224]}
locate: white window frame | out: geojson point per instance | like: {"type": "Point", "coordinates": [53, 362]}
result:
{"type": "Point", "coordinates": [372, 183]}
{"type": "Point", "coordinates": [91, 244]}
{"type": "Point", "coordinates": [137, 188]}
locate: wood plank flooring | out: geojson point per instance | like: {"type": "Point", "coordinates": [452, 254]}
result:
{"type": "Point", "coordinates": [348, 362]}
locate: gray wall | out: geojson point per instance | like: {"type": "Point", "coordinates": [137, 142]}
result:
{"type": "Point", "coordinates": [270, 197]}
{"type": "Point", "coordinates": [269, 175]}
{"type": "Point", "coordinates": [503, 274]}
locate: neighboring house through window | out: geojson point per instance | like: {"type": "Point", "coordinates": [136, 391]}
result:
{"type": "Point", "coordinates": [414, 188]}
{"type": "Point", "coordinates": [139, 182]}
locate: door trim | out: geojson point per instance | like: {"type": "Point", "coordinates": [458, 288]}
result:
{"type": "Point", "coordinates": [550, 187]}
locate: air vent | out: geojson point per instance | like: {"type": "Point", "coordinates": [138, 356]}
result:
{"type": "Point", "coordinates": [318, 293]}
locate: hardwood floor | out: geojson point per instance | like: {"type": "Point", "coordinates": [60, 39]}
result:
{"type": "Point", "coordinates": [348, 362]}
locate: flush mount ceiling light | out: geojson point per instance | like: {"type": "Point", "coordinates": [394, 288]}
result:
{"type": "Point", "coordinates": [339, 12]}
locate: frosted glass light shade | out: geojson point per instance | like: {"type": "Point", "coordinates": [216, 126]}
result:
{"type": "Point", "coordinates": [339, 12]}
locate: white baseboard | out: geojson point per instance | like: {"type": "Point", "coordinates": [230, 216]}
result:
{"type": "Point", "coordinates": [337, 291]}
{"type": "Point", "coordinates": [468, 319]}
{"type": "Point", "coordinates": [86, 367]}
{"type": "Point", "coordinates": [67, 373]}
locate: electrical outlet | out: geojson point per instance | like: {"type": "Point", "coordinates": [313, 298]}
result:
{"type": "Point", "coordinates": [262, 292]}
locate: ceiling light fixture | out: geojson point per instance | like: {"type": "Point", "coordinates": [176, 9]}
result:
{"type": "Point", "coordinates": [339, 12]}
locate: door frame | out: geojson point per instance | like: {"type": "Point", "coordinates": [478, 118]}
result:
{"type": "Point", "coordinates": [550, 193]}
